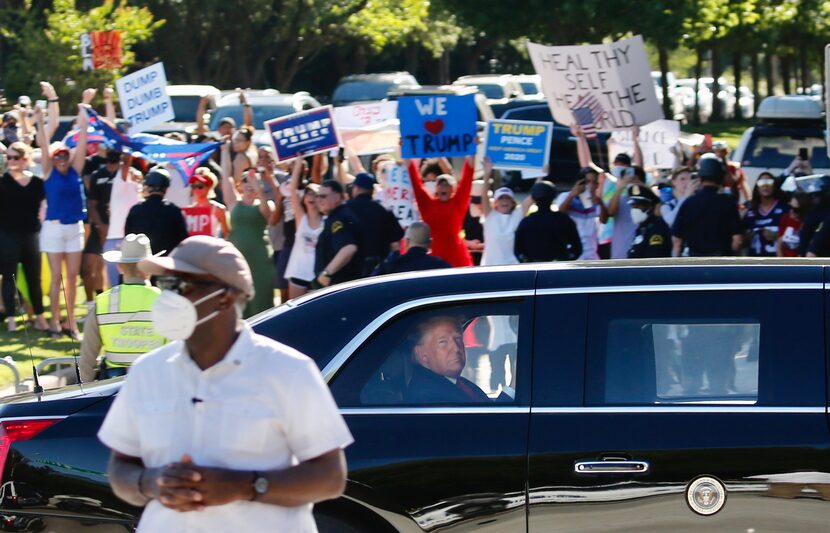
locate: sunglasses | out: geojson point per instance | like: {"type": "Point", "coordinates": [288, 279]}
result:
{"type": "Point", "coordinates": [322, 196]}
{"type": "Point", "coordinates": [763, 182]}
{"type": "Point", "coordinates": [180, 285]}
{"type": "Point", "coordinates": [61, 157]}
{"type": "Point", "coordinates": [14, 157]}
{"type": "Point", "coordinates": [198, 186]}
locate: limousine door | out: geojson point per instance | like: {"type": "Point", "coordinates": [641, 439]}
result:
{"type": "Point", "coordinates": [424, 457]}
{"type": "Point", "coordinates": [696, 409]}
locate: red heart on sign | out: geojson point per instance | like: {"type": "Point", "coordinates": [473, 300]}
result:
{"type": "Point", "coordinates": [434, 126]}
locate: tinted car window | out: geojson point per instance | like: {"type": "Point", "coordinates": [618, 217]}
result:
{"type": "Point", "coordinates": [261, 114]}
{"type": "Point", "coordinates": [530, 87]}
{"type": "Point", "coordinates": [778, 151]}
{"type": "Point", "coordinates": [716, 347]}
{"type": "Point", "coordinates": [485, 339]}
{"type": "Point", "coordinates": [491, 90]}
{"type": "Point", "coordinates": [539, 113]}
{"type": "Point", "coordinates": [356, 91]}
{"type": "Point", "coordinates": [185, 107]}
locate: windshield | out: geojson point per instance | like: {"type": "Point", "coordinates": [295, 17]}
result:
{"type": "Point", "coordinates": [528, 87]}
{"type": "Point", "coordinates": [361, 91]}
{"type": "Point", "coordinates": [779, 151]}
{"type": "Point", "coordinates": [185, 107]}
{"type": "Point", "coordinates": [490, 90]}
{"type": "Point", "coordinates": [262, 113]}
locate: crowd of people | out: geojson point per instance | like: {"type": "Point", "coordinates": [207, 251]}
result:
{"type": "Point", "coordinates": [324, 219]}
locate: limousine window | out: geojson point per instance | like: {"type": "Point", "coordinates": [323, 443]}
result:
{"type": "Point", "coordinates": [449, 355]}
{"type": "Point", "coordinates": [663, 359]}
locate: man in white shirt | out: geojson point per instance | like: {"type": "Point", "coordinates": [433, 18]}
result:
{"type": "Point", "coordinates": [222, 421]}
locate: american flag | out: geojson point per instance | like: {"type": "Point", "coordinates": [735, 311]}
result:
{"type": "Point", "coordinates": [587, 112]}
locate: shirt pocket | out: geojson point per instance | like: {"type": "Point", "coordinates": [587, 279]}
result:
{"type": "Point", "coordinates": [245, 427]}
{"type": "Point", "coordinates": [157, 421]}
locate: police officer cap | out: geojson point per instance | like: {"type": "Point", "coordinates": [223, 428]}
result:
{"type": "Point", "coordinates": [639, 193]}
{"type": "Point", "coordinates": [158, 177]}
{"type": "Point", "coordinates": [710, 168]}
{"type": "Point", "coordinates": [543, 191]}
{"type": "Point", "coordinates": [814, 184]}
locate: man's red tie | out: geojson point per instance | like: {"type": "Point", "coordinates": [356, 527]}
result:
{"type": "Point", "coordinates": [467, 390]}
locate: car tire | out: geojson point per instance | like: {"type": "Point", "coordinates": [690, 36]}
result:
{"type": "Point", "coordinates": [330, 524]}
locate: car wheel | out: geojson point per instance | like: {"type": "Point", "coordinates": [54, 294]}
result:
{"type": "Point", "coordinates": [329, 524]}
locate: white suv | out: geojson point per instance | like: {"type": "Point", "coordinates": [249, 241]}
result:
{"type": "Point", "coordinates": [786, 125]}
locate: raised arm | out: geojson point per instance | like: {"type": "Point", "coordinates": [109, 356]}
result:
{"type": "Point", "coordinates": [228, 186]}
{"type": "Point", "coordinates": [43, 143]}
{"type": "Point", "coordinates": [266, 206]}
{"type": "Point", "coordinates": [109, 106]}
{"type": "Point", "coordinates": [52, 108]}
{"type": "Point", "coordinates": [79, 159]}
{"type": "Point", "coordinates": [247, 113]}
{"type": "Point", "coordinates": [355, 164]}
{"type": "Point", "coordinates": [422, 197]}
{"type": "Point", "coordinates": [294, 190]}
{"type": "Point", "coordinates": [201, 129]}
{"type": "Point", "coordinates": [486, 206]}
{"type": "Point", "coordinates": [465, 185]}
{"type": "Point", "coordinates": [583, 151]}
{"type": "Point", "coordinates": [638, 152]}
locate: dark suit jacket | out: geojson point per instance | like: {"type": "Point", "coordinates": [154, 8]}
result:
{"type": "Point", "coordinates": [427, 387]}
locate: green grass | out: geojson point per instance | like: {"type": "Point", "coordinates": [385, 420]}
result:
{"type": "Point", "coordinates": [727, 130]}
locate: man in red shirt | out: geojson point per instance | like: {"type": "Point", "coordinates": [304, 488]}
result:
{"type": "Point", "coordinates": [444, 212]}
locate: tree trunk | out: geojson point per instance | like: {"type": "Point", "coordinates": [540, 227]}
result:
{"type": "Point", "coordinates": [736, 71]}
{"type": "Point", "coordinates": [361, 60]}
{"type": "Point", "coordinates": [412, 58]}
{"type": "Point", "coordinates": [698, 71]}
{"type": "Point", "coordinates": [785, 74]}
{"type": "Point", "coordinates": [804, 67]}
{"type": "Point", "coordinates": [756, 81]}
{"type": "Point", "coordinates": [717, 108]}
{"type": "Point", "coordinates": [663, 56]}
{"type": "Point", "coordinates": [444, 68]}
{"type": "Point", "coordinates": [770, 73]}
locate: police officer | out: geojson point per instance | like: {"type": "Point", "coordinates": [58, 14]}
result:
{"type": "Point", "coordinates": [380, 229]}
{"type": "Point", "coordinates": [162, 221]}
{"type": "Point", "coordinates": [546, 235]}
{"type": "Point", "coordinates": [121, 324]}
{"type": "Point", "coordinates": [338, 256]}
{"type": "Point", "coordinates": [708, 222]}
{"type": "Point", "coordinates": [652, 238]}
{"type": "Point", "coordinates": [417, 256]}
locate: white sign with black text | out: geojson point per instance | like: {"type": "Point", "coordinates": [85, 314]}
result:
{"type": "Point", "coordinates": [143, 97]}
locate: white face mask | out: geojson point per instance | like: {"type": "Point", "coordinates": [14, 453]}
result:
{"type": "Point", "coordinates": [638, 215]}
{"type": "Point", "coordinates": [430, 187]}
{"type": "Point", "coordinates": [585, 199]}
{"type": "Point", "coordinates": [174, 316]}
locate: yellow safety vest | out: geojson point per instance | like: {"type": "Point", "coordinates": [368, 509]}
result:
{"type": "Point", "coordinates": [124, 322]}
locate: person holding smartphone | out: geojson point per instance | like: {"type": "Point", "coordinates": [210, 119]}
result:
{"type": "Point", "coordinates": [801, 165]}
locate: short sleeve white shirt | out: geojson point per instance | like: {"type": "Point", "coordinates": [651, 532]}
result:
{"type": "Point", "coordinates": [264, 406]}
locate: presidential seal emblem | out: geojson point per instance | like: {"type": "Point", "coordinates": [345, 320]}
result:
{"type": "Point", "coordinates": [706, 495]}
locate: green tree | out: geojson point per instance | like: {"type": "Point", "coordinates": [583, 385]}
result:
{"type": "Point", "coordinates": [52, 52]}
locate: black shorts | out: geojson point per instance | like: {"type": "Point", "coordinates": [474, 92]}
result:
{"type": "Point", "coordinates": [93, 242]}
{"type": "Point", "coordinates": [301, 282]}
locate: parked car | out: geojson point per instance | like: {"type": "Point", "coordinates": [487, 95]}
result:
{"type": "Point", "coordinates": [564, 161]}
{"type": "Point", "coordinates": [498, 89]}
{"type": "Point", "coordinates": [648, 396]}
{"type": "Point", "coordinates": [687, 86]}
{"type": "Point", "coordinates": [786, 124]}
{"type": "Point", "coordinates": [675, 94]}
{"type": "Point", "coordinates": [531, 85]}
{"type": "Point", "coordinates": [370, 87]}
{"type": "Point", "coordinates": [265, 105]}
{"type": "Point", "coordinates": [745, 99]}
{"type": "Point", "coordinates": [185, 99]}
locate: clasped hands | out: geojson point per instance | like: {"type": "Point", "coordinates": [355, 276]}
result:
{"type": "Point", "coordinates": [185, 486]}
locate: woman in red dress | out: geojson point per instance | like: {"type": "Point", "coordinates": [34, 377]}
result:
{"type": "Point", "coordinates": [444, 212]}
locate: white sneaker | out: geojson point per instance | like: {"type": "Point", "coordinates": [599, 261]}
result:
{"type": "Point", "coordinates": [11, 324]}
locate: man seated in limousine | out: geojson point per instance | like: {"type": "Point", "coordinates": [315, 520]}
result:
{"type": "Point", "coordinates": [440, 357]}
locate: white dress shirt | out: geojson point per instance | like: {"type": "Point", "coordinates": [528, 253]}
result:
{"type": "Point", "coordinates": [264, 406]}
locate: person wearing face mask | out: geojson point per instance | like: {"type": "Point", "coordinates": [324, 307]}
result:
{"type": "Point", "coordinates": [790, 226]}
{"type": "Point", "coordinates": [249, 436]}
{"type": "Point", "coordinates": [119, 325]}
{"type": "Point", "coordinates": [501, 220]}
{"type": "Point", "coordinates": [444, 211]}
{"type": "Point", "coordinates": [9, 128]}
{"type": "Point", "coordinates": [652, 238]}
{"type": "Point", "coordinates": [583, 204]}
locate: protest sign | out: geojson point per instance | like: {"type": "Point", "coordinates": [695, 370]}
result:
{"type": "Point", "coordinates": [369, 128]}
{"type": "Point", "coordinates": [657, 142]}
{"type": "Point", "coordinates": [143, 97]}
{"type": "Point", "coordinates": [106, 49]}
{"type": "Point", "coordinates": [397, 195]}
{"type": "Point", "coordinates": [199, 220]}
{"type": "Point", "coordinates": [304, 133]}
{"type": "Point", "coordinates": [86, 51]}
{"type": "Point", "coordinates": [518, 144]}
{"type": "Point", "coordinates": [437, 126]}
{"type": "Point", "coordinates": [617, 75]}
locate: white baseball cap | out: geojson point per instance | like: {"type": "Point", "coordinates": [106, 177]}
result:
{"type": "Point", "coordinates": [504, 191]}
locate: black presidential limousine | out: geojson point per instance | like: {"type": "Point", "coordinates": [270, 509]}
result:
{"type": "Point", "coordinates": [614, 396]}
